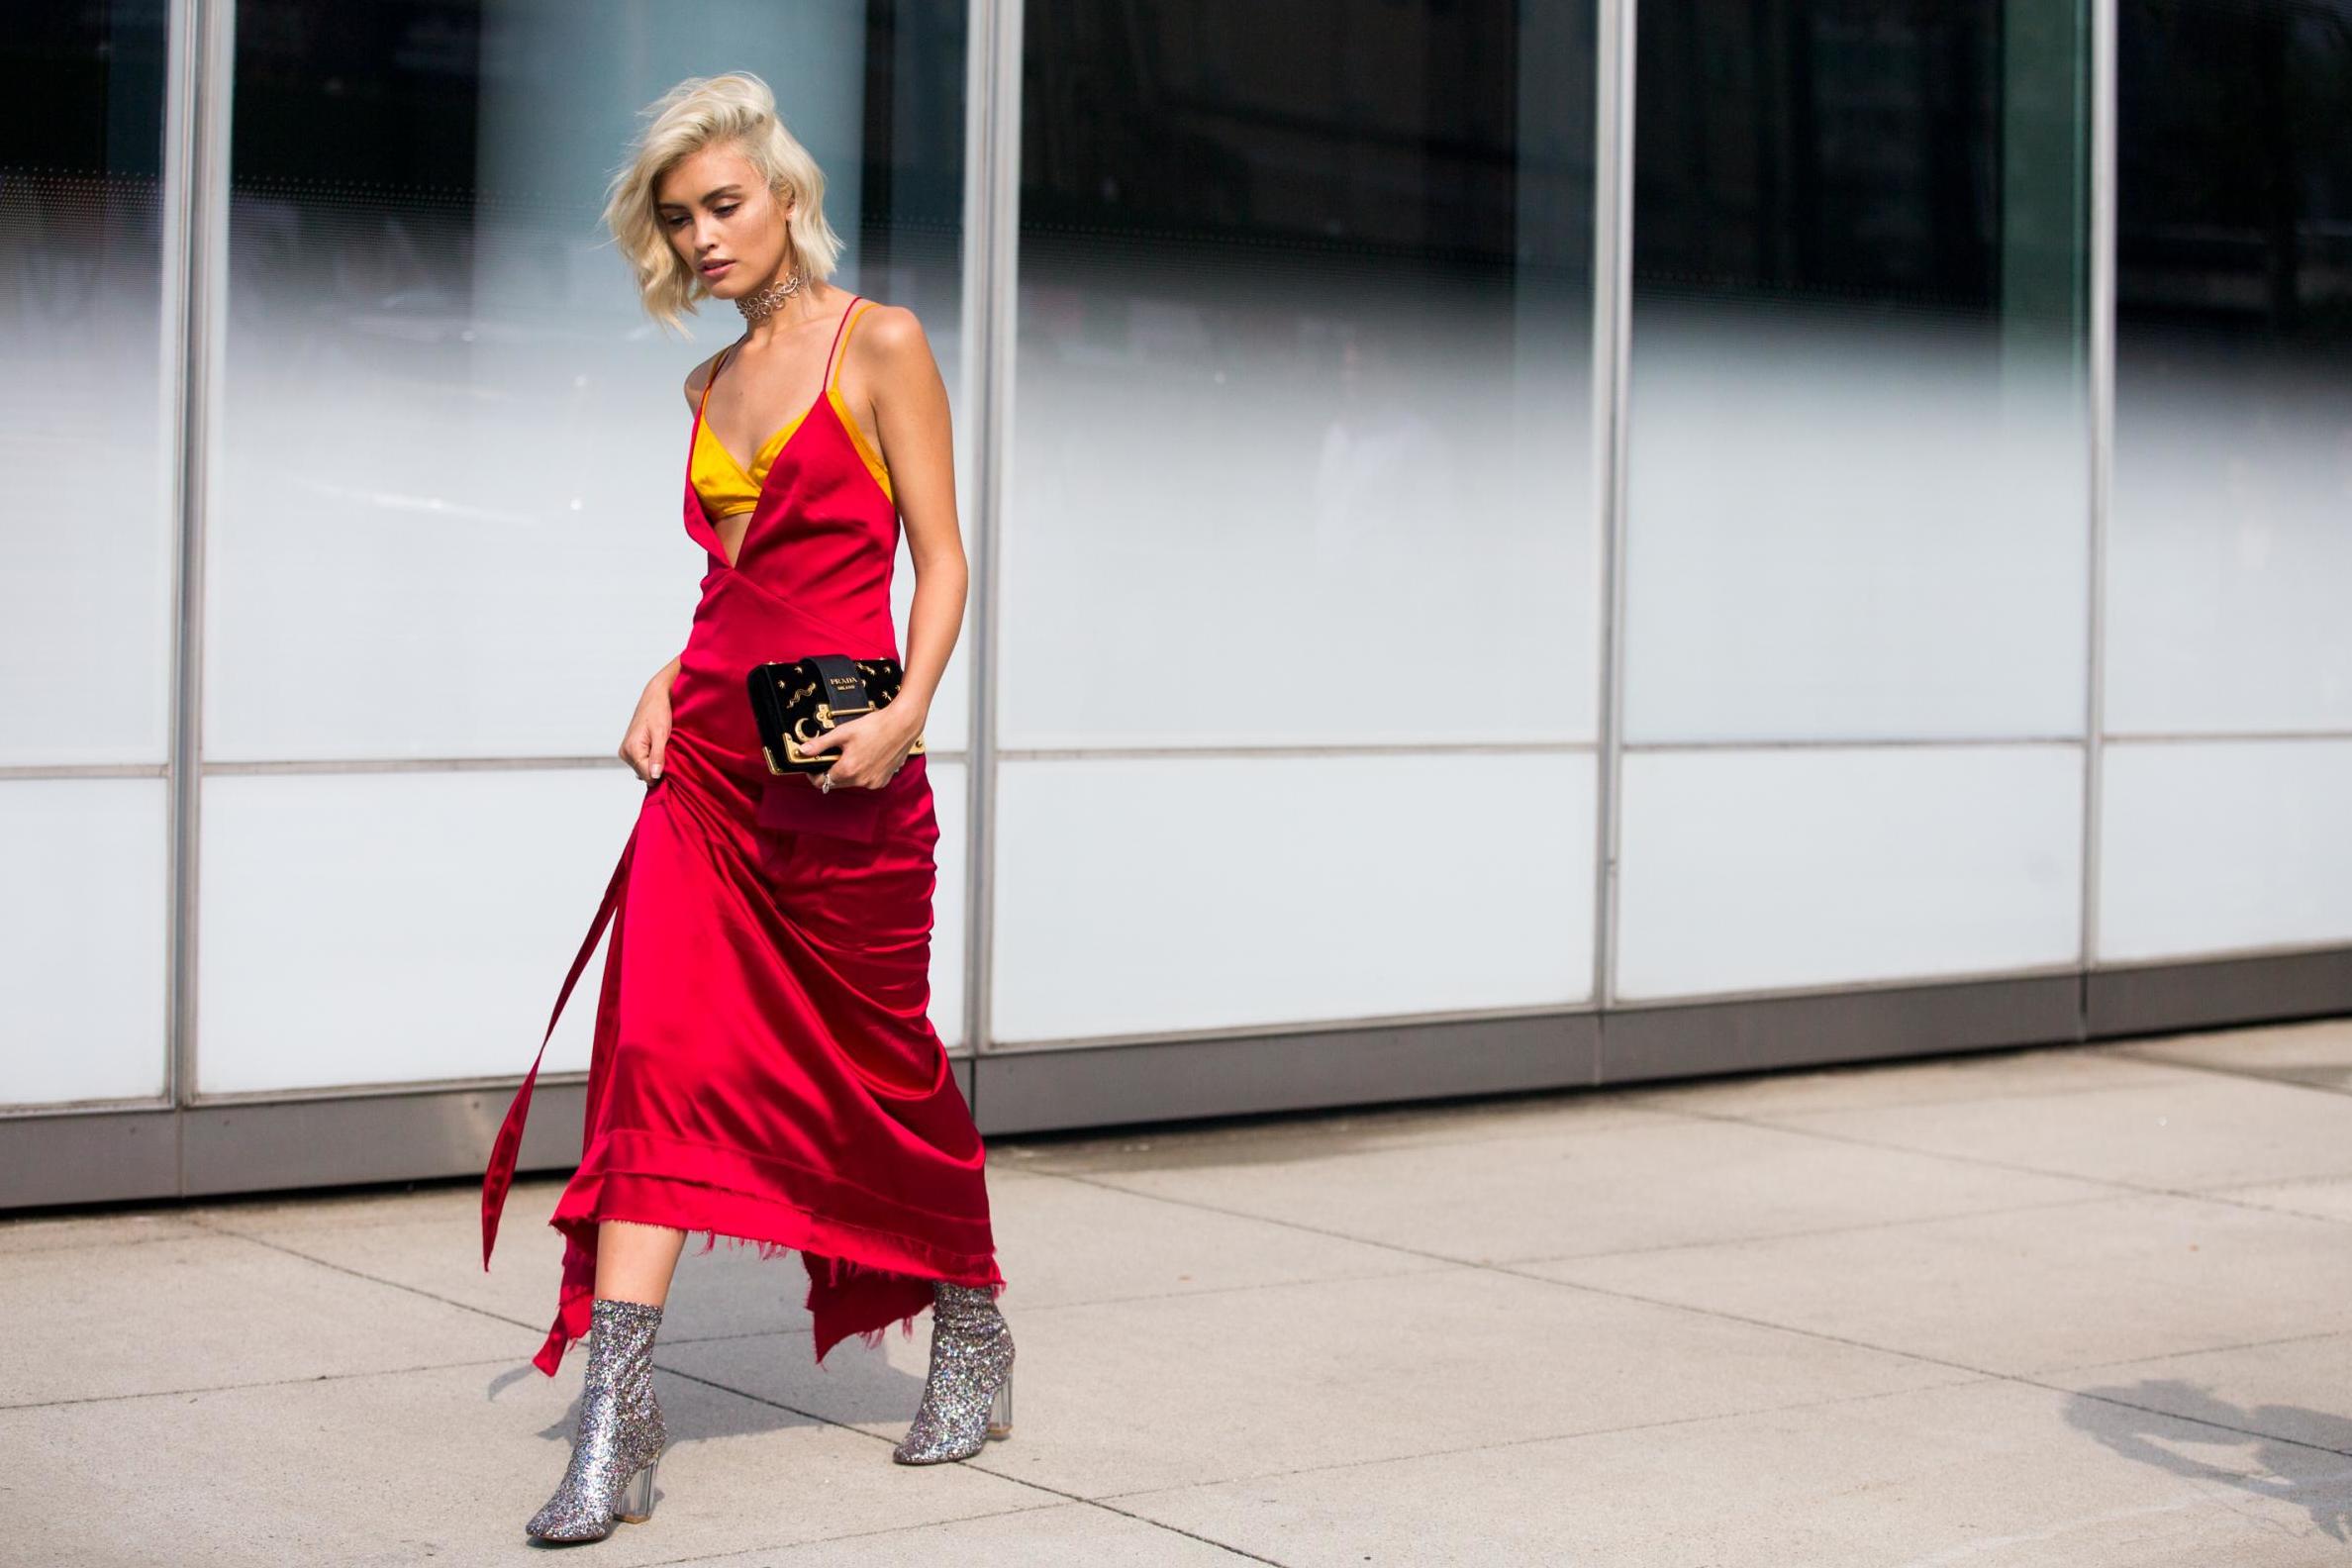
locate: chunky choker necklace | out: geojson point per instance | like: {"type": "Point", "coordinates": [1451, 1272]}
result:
{"type": "Point", "coordinates": [760, 305]}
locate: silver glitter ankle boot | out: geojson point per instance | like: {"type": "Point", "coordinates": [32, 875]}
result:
{"type": "Point", "coordinates": [620, 1435]}
{"type": "Point", "coordinates": [968, 1397]}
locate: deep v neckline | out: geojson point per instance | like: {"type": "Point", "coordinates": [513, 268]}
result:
{"type": "Point", "coordinates": [790, 432]}
{"type": "Point", "coordinates": [760, 489]}
{"type": "Point", "coordinates": [787, 429]}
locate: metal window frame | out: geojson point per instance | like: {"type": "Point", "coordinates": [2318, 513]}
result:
{"type": "Point", "coordinates": [992, 280]}
{"type": "Point", "coordinates": [1611, 370]}
{"type": "Point", "coordinates": [204, 80]}
{"type": "Point", "coordinates": [2102, 392]}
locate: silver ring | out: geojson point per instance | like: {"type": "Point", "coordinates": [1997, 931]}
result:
{"type": "Point", "coordinates": [825, 781]}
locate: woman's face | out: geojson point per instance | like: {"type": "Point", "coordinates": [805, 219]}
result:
{"type": "Point", "coordinates": [723, 220]}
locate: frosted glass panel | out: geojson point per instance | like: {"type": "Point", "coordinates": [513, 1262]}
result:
{"type": "Point", "coordinates": [1300, 436]}
{"type": "Point", "coordinates": [2209, 848]}
{"type": "Point", "coordinates": [85, 961]}
{"type": "Point", "coordinates": [1162, 894]}
{"type": "Point", "coordinates": [398, 928]}
{"type": "Point", "coordinates": [1758, 871]}
{"type": "Point", "coordinates": [86, 534]}
{"type": "Point", "coordinates": [432, 945]}
{"type": "Point", "coordinates": [2229, 561]}
{"type": "Point", "coordinates": [1857, 493]}
{"type": "Point", "coordinates": [449, 490]}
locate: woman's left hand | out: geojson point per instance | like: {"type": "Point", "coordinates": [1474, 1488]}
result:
{"type": "Point", "coordinates": [873, 746]}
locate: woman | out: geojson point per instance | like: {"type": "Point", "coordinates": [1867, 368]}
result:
{"type": "Point", "coordinates": [763, 1065]}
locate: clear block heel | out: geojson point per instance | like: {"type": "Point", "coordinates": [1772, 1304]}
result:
{"type": "Point", "coordinates": [635, 1504]}
{"type": "Point", "coordinates": [1000, 1408]}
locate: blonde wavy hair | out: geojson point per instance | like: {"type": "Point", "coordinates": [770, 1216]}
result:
{"type": "Point", "coordinates": [736, 107]}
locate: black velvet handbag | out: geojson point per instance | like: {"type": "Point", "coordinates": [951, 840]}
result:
{"type": "Point", "coordinates": [797, 700]}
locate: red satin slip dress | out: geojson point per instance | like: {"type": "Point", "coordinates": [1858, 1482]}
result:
{"type": "Point", "coordinates": [763, 1065]}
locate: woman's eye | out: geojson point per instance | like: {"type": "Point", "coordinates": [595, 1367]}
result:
{"type": "Point", "coordinates": [724, 211]}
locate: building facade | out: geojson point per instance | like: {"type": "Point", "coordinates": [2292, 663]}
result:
{"type": "Point", "coordinates": [1513, 546]}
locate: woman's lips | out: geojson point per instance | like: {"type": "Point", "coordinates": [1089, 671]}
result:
{"type": "Point", "coordinates": [712, 270]}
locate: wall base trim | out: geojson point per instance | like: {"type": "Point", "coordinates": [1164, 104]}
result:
{"type": "Point", "coordinates": [1814, 1031]}
{"type": "Point", "coordinates": [81, 1157]}
{"type": "Point", "coordinates": [2161, 998]}
{"type": "Point", "coordinates": [89, 1157]}
{"type": "Point", "coordinates": [1040, 1090]}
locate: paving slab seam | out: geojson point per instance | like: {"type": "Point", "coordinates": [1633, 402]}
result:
{"type": "Point", "coordinates": [2244, 1072]}
{"type": "Point", "coordinates": [259, 1383]}
{"type": "Point", "coordinates": [1656, 1097]}
{"type": "Point", "coordinates": [1485, 1141]}
{"type": "Point", "coordinates": [1288, 1224]}
{"type": "Point", "coordinates": [1508, 1265]}
{"type": "Point", "coordinates": [967, 1518]}
{"type": "Point", "coordinates": [1436, 1264]}
{"type": "Point", "coordinates": [378, 1279]}
{"type": "Point", "coordinates": [836, 1540]}
{"type": "Point", "coordinates": [2021, 1379]}
{"type": "Point", "coordinates": [1651, 1097]}
{"type": "Point", "coordinates": [1825, 1230]}
{"type": "Point", "coordinates": [1758, 1322]}
{"type": "Point", "coordinates": [2225, 1483]}
{"type": "Point", "coordinates": [2175, 1416]}
{"type": "Point", "coordinates": [668, 1341]}
{"type": "Point", "coordinates": [1316, 1122]}
{"type": "Point", "coordinates": [1017, 1480]}
{"type": "Point", "coordinates": [2212, 1195]}
{"type": "Point", "coordinates": [1572, 1435]}
{"type": "Point", "coordinates": [2286, 1210]}
{"type": "Point", "coordinates": [38, 1249]}
{"type": "Point", "coordinates": [1437, 1267]}
{"type": "Point", "coordinates": [2177, 1356]}
{"type": "Point", "coordinates": [1079, 1305]}
{"type": "Point", "coordinates": [2316, 1179]}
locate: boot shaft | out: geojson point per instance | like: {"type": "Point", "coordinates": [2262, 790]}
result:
{"type": "Point", "coordinates": [620, 1356]}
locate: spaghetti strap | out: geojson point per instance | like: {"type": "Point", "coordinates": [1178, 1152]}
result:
{"type": "Point", "coordinates": [857, 314]}
{"type": "Point", "coordinates": [832, 372]}
{"type": "Point", "coordinates": [707, 380]}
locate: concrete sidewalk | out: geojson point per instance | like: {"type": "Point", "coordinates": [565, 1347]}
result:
{"type": "Point", "coordinates": [2083, 1306]}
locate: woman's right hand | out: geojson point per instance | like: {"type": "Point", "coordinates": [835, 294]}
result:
{"type": "Point", "coordinates": [648, 730]}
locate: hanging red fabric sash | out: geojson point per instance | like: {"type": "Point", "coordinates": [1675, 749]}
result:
{"type": "Point", "coordinates": [507, 1147]}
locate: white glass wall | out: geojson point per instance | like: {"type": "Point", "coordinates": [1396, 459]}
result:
{"type": "Point", "coordinates": [2228, 634]}
{"type": "Point", "coordinates": [1177, 893]}
{"type": "Point", "coordinates": [1857, 496]}
{"type": "Point", "coordinates": [1299, 596]}
{"type": "Point", "coordinates": [88, 544]}
{"type": "Point", "coordinates": [1352, 659]}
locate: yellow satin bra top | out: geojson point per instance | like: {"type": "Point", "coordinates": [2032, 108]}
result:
{"type": "Point", "coordinates": [727, 486]}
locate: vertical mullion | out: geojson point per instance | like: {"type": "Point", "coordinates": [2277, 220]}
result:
{"type": "Point", "coordinates": [1612, 274]}
{"type": "Point", "coordinates": [992, 207]}
{"type": "Point", "coordinates": [195, 239]}
{"type": "Point", "coordinates": [2101, 243]}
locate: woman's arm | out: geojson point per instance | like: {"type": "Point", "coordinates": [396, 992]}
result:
{"type": "Point", "coordinates": [909, 402]}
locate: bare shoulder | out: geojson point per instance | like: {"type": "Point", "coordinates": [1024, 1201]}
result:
{"type": "Point", "coordinates": [892, 335]}
{"type": "Point", "coordinates": [700, 377]}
